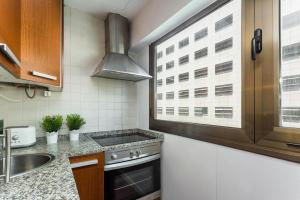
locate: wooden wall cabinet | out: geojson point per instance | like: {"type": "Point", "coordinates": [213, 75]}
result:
{"type": "Point", "coordinates": [33, 30]}
{"type": "Point", "coordinates": [41, 39]}
{"type": "Point", "coordinates": [10, 32]}
{"type": "Point", "coordinates": [89, 176]}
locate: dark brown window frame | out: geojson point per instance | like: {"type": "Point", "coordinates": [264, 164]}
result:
{"type": "Point", "coordinates": [268, 133]}
{"type": "Point", "coordinates": [253, 136]}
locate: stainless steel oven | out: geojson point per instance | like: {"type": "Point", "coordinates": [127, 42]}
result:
{"type": "Point", "coordinates": [133, 173]}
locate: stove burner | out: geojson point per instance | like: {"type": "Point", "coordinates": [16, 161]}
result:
{"type": "Point", "coordinates": [109, 140]}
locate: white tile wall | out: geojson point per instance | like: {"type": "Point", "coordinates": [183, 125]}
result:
{"type": "Point", "coordinates": [105, 104]}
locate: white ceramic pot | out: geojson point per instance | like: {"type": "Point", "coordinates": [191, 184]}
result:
{"type": "Point", "coordinates": [74, 135]}
{"type": "Point", "coordinates": [52, 137]}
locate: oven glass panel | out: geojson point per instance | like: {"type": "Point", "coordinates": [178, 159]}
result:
{"type": "Point", "coordinates": [133, 182]}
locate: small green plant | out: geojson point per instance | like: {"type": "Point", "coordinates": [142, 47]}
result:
{"type": "Point", "coordinates": [52, 123]}
{"type": "Point", "coordinates": [75, 122]}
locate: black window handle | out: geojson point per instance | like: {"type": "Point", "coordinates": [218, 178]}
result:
{"type": "Point", "coordinates": [293, 144]}
{"type": "Point", "coordinates": [256, 43]}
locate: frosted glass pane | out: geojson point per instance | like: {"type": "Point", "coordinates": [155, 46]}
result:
{"type": "Point", "coordinates": [290, 63]}
{"type": "Point", "coordinates": [200, 78]}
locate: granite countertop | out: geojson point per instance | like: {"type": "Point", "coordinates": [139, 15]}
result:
{"type": "Point", "coordinates": [55, 180]}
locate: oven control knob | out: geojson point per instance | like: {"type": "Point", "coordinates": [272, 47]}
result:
{"type": "Point", "coordinates": [131, 154]}
{"type": "Point", "coordinates": [138, 153]}
{"type": "Point", "coordinates": [114, 156]}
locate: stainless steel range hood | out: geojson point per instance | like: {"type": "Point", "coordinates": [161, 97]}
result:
{"type": "Point", "coordinates": [116, 64]}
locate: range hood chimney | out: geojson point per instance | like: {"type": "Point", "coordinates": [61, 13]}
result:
{"type": "Point", "coordinates": [116, 64]}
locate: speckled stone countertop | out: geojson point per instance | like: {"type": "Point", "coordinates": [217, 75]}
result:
{"type": "Point", "coordinates": [55, 180]}
{"type": "Point", "coordinates": [157, 137]}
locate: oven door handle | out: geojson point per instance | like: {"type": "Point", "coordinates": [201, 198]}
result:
{"type": "Point", "coordinates": [131, 163]}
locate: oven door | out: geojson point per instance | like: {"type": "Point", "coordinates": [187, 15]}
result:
{"type": "Point", "coordinates": [132, 179]}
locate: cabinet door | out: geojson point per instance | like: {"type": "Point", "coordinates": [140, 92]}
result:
{"type": "Point", "coordinates": [89, 176]}
{"type": "Point", "coordinates": [41, 41]}
{"type": "Point", "coordinates": [10, 32]}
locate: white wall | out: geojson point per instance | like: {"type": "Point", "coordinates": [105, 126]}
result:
{"type": "Point", "coordinates": [195, 170]}
{"type": "Point", "coordinates": [159, 17]}
{"type": "Point", "coordinates": [105, 104]}
{"type": "Point", "coordinates": [198, 170]}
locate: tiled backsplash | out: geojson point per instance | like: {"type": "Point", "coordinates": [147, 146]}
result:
{"type": "Point", "coordinates": [105, 104]}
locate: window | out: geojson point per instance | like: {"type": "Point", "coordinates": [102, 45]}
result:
{"type": "Point", "coordinates": [278, 94]}
{"type": "Point", "coordinates": [159, 68]}
{"type": "Point", "coordinates": [291, 114]}
{"type": "Point", "coordinates": [183, 77]}
{"type": "Point", "coordinates": [170, 65]}
{"type": "Point", "coordinates": [223, 45]}
{"type": "Point", "coordinates": [170, 80]}
{"type": "Point", "coordinates": [201, 53]}
{"type": "Point", "coordinates": [290, 52]}
{"type": "Point", "coordinates": [223, 90]}
{"type": "Point", "coordinates": [170, 50]}
{"type": "Point", "coordinates": [170, 110]}
{"type": "Point", "coordinates": [209, 76]}
{"type": "Point", "coordinates": [290, 83]}
{"type": "Point", "coordinates": [183, 43]}
{"type": "Point", "coordinates": [183, 111]}
{"type": "Point", "coordinates": [289, 77]}
{"type": "Point", "coordinates": [223, 112]}
{"type": "Point", "coordinates": [159, 110]}
{"type": "Point", "coordinates": [223, 23]}
{"type": "Point", "coordinates": [201, 92]}
{"type": "Point", "coordinates": [159, 55]}
{"type": "Point", "coordinates": [200, 111]}
{"type": "Point", "coordinates": [183, 60]}
{"type": "Point", "coordinates": [200, 73]}
{"type": "Point", "coordinates": [159, 96]}
{"type": "Point", "coordinates": [170, 95]}
{"type": "Point", "coordinates": [183, 94]}
{"type": "Point", "coordinates": [224, 67]}
{"type": "Point", "coordinates": [196, 77]}
{"type": "Point", "coordinates": [223, 94]}
{"type": "Point", "coordinates": [201, 34]}
{"type": "Point", "coordinates": [159, 83]}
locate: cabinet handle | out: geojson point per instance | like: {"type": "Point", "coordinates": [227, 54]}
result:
{"type": "Point", "coordinates": [47, 76]}
{"type": "Point", "coordinates": [84, 164]}
{"type": "Point", "coordinates": [9, 54]}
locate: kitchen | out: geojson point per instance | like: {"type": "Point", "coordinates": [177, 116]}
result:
{"type": "Point", "coordinates": [175, 99]}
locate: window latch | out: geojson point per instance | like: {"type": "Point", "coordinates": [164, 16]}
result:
{"type": "Point", "coordinates": [256, 43]}
{"type": "Point", "coordinates": [293, 144]}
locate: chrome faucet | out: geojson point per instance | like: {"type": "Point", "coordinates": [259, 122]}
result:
{"type": "Point", "coordinates": [6, 143]}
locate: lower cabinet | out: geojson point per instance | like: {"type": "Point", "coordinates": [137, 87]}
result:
{"type": "Point", "coordinates": [88, 172]}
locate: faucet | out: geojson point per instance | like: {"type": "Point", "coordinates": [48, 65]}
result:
{"type": "Point", "coordinates": [6, 141]}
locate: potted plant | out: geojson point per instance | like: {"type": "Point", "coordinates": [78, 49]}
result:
{"type": "Point", "coordinates": [74, 123]}
{"type": "Point", "coordinates": [51, 125]}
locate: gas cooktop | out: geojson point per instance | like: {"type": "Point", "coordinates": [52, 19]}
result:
{"type": "Point", "coordinates": [109, 140]}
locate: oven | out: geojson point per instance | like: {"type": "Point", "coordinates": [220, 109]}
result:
{"type": "Point", "coordinates": [133, 177]}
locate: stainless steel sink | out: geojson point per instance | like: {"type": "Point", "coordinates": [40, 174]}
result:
{"type": "Point", "coordinates": [21, 164]}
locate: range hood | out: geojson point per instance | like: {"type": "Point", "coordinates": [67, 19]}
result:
{"type": "Point", "coordinates": [116, 64]}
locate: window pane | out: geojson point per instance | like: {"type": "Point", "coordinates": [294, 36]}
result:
{"type": "Point", "coordinates": [202, 74]}
{"type": "Point", "coordinates": [200, 34]}
{"type": "Point", "coordinates": [290, 64]}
